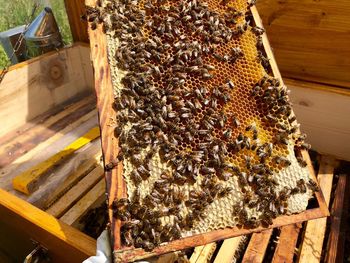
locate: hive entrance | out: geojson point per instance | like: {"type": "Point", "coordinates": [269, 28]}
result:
{"type": "Point", "coordinates": [206, 136]}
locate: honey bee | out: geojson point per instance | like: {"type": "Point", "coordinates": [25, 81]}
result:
{"type": "Point", "coordinates": [136, 177]}
{"type": "Point", "coordinates": [301, 186]}
{"type": "Point", "coordinates": [313, 186]}
{"type": "Point", "coordinates": [258, 30]}
{"type": "Point", "coordinates": [301, 161]}
{"type": "Point", "coordinates": [225, 191]}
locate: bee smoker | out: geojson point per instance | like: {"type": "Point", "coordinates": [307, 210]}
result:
{"type": "Point", "coordinates": [43, 34]}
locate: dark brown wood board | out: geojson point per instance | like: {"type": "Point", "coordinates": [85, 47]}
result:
{"type": "Point", "coordinates": [116, 187]}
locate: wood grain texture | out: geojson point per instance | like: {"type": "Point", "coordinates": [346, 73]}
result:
{"type": "Point", "coordinates": [287, 241]}
{"type": "Point", "coordinates": [76, 192]}
{"type": "Point", "coordinates": [311, 247]}
{"type": "Point", "coordinates": [228, 250]}
{"type": "Point", "coordinates": [115, 183]}
{"type": "Point", "coordinates": [75, 9]}
{"type": "Point", "coordinates": [307, 37]}
{"type": "Point", "coordinates": [28, 181]}
{"type": "Point", "coordinates": [95, 196]}
{"type": "Point", "coordinates": [27, 137]}
{"type": "Point", "coordinates": [53, 234]}
{"type": "Point", "coordinates": [29, 91]}
{"type": "Point", "coordinates": [257, 247]}
{"type": "Point", "coordinates": [67, 175]}
{"type": "Point", "coordinates": [335, 246]}
{"type": "Point", "coordinates": [323, 117]}
{"type": "Point", "coordinates": [203, 254]}
{"type": "Point", "coordinates": [46, 148]}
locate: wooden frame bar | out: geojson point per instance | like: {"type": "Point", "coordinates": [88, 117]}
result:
{"type": "Point", "coordinates": [116, 187]}
{"type": "Point", "coordinates": [51, 233]}
{"type": "Point", "coordinates": [75, 9]}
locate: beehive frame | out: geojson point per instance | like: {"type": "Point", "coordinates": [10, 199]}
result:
{"type": "Point", "coordinates": [116, 187]}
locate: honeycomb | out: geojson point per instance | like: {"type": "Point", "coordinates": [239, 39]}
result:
{"type": "Point", "coordinates": [207, 136]}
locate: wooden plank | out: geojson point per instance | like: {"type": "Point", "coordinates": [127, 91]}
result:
{"type": "Point", "coordinates": [26, 138]}
{"type": "Point", "coordinates": [115, 185]}
{"type": "Point", "coordinates": [335, 246]}
{"type": "Point", "coordinates": [257, 247]}
{"type": "Point", "coordinates": [228, 250]}
{"type": "Point", "coordinates": [94, 196]}
{"type": "Point", "coordinates": [327, 134]}
{"type": "Point", "coordinates": [307, 35]}
{"type": "Point", "coordinates": [65, 244]}
{"type": "Point", "coordinates": [66, 176]}
{"type": "Point", "coordinates": [76, 192]}
{"type": "Point", "coordinates": [75, 9]}
{"type": "Point", "coordinates": [47, 148]}
{"type": "Point", "coordinates": [197, 251]}
{"type": "Point", "coordinates": [27, 93]}
{"type": "Point", "coordinates": [205, 253]}
{"type": "Point", "coordinates": [27, 181]}
{"type": "Point", "coordinates": [114, 178]}
{"type": "Point", "coordinates": [287, 241]}
{"type": "Point", "coordinates": [311, 247]}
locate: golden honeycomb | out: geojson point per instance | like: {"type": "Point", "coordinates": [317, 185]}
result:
{"type": "Point", "coordinates": [199, 117]}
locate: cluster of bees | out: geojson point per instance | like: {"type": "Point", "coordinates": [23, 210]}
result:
{"type": "Point", "coordinates": [173, 104]}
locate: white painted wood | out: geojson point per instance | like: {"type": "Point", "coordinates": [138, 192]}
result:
{"type": "Point", "coordinates": [324, 116]}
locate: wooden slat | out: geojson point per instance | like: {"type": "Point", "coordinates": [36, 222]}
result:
{"type": "Point", "coordinates": [65, 244]}
{"type": "Point", "coordinates": [93, 197]}
{"type": "Point", "coordinates": [115, 184]}
{"type": "Point", "coordinates": [287, 241]}
{"type": "Point", "coordinates": [47, 148]}
{"type": "Point", "coordinates": [203, 254]}
{"type": "Point", "coordinates": [27, 93]}
{"type": "Point", "coordinates": [76, 192]}
{"type": "Point", "coordinates": [307, 35]}
{"type": "Point", "coordinates": [24, 139]}
{"type": "Point", "coordinates": [66, 176]}
{"type": "Point", "coordinates": [335, 246]}
{"type": "Point", "coordinates": [228, 250]}
{"type": "Point", "coordinates": [75, 9]}
{"type": "Point", "coordinates": [311, 247]}
{"type": "Point", "coordinates": [327, 134]}
{"type": "Point", "coordinates": [257, 247]}
{"type": "Point", "coordinates": [27, 182]}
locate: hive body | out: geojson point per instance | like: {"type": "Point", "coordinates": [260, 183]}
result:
{"type": "Point", "coordinates": [210, 134]}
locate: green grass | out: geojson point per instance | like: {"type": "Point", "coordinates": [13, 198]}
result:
{"type": "Point", "coordinates": [17, 12]}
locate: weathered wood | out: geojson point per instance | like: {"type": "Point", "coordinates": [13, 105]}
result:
{"type": "Point", "coordinates": [307, 36]}
{"type": "Point", "coordinates": [311, 247]}
{"type": "Point", "coordinates": [27, 182]}
{"type": "Point", "coordinates": [257, 247]}
{"type": "Point", "coordinates": [67, 175]}
{"type": "Point", "coordinates": [76, 192]}
{"type": "Point", "coordinates": [228, 250]}
{"type": "Point", "coordinates": [26, 138]}
{"type": "Point", "coordinates": [75, 9]}
{"type": "Point", "coordinates": [65, 243]}
{"type": "Point", "coordinates": [335, 246]}
{"type": "Point", "coordinates": [287, 241]}
{"type": "Point", "coordinates": [327, 134]}
{"type": "Point", "coordinates": [116, 184]}
{"type": "Point", "coordinates": [27, 93]}
{"type": "Point", "coordinates": [203, 254]}
{"type": "Point", "coordinates": [46, 148]}
{"type": "Point", "coordinates": [95, 196]}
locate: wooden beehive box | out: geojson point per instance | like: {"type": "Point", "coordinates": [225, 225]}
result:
{"type": "Point", "coordinates": [317, 90]}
